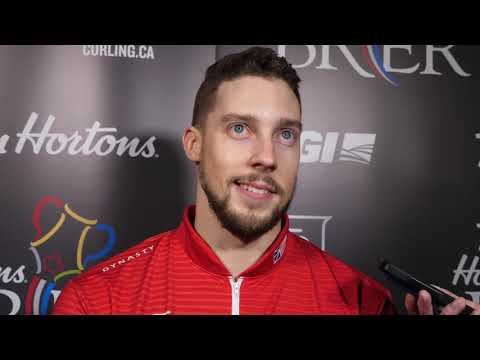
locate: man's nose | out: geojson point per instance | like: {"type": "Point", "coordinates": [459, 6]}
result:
{"type": "Point", "coordinates": [264, 157]}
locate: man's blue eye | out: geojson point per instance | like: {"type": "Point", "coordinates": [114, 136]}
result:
{"type": "Point", "coordinates": [238, 128]}
{"type": "Point", "coordinates": [287, 135]}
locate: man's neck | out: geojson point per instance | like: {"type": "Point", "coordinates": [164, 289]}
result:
{"type": "Point", "coordinates": [235, 254]}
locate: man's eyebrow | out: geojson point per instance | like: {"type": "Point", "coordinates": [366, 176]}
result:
{"type": "Point", "coordinates": [290, 123]}
{"type": "Point", "coordinates": [233, 116]}
{"type": "Point", "coordinates": [252, 119]}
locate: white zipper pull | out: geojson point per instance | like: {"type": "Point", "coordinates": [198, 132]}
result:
{"type": "Point", "coordinates": [235, 284]}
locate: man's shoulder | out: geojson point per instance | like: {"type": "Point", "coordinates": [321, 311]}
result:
{"type": "Point", "coordinates": [360, 292]}
{"type": "Point", "coordinates": [131, 259]}
{"type": "Point", "coordinates": [91, 292]}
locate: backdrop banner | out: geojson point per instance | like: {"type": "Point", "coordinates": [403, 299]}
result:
{"type": "Point", "coordinates": [92, 161]}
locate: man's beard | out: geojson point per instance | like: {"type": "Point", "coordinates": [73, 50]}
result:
{"type": "Point", "coordinates": [245, 227]}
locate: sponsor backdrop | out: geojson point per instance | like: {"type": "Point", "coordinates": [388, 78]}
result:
{"type": "Point", "coordinates": [92, 163]}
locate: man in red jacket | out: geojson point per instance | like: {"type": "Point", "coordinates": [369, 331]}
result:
{"type": "Point", "coordinates": [232, 252]}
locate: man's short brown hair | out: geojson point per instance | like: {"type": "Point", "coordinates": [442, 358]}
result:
{"type": "Point", "coordinates": [256, 61]}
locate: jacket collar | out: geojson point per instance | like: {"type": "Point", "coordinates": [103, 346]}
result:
{"type": "Point", "coordinates": [203, 255]}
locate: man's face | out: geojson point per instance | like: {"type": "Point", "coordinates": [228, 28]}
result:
{"type": "Point", "coordinates": [250, 154]}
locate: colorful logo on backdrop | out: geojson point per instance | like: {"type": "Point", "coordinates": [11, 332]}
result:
{"type": "Point", "coordinates": [51, 266]}
{"type": "Point", "coordinates": [377, 60]}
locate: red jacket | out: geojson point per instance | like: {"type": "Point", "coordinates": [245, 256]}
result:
{"type": "Point", "coordinates": [177, 273]}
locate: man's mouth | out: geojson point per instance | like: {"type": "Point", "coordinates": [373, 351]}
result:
{"type": "Point", "coordinates": [256, 189]}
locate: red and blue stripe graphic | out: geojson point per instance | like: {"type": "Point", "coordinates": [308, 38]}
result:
{"type": "Point", "coordinates": [374, 59]}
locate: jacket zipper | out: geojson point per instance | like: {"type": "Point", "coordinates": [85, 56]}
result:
{"type": "Point", "coordinates": [235, 284]}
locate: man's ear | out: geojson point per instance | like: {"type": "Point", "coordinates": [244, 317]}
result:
{"type": "Point", "coordinates": [192, 143]}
